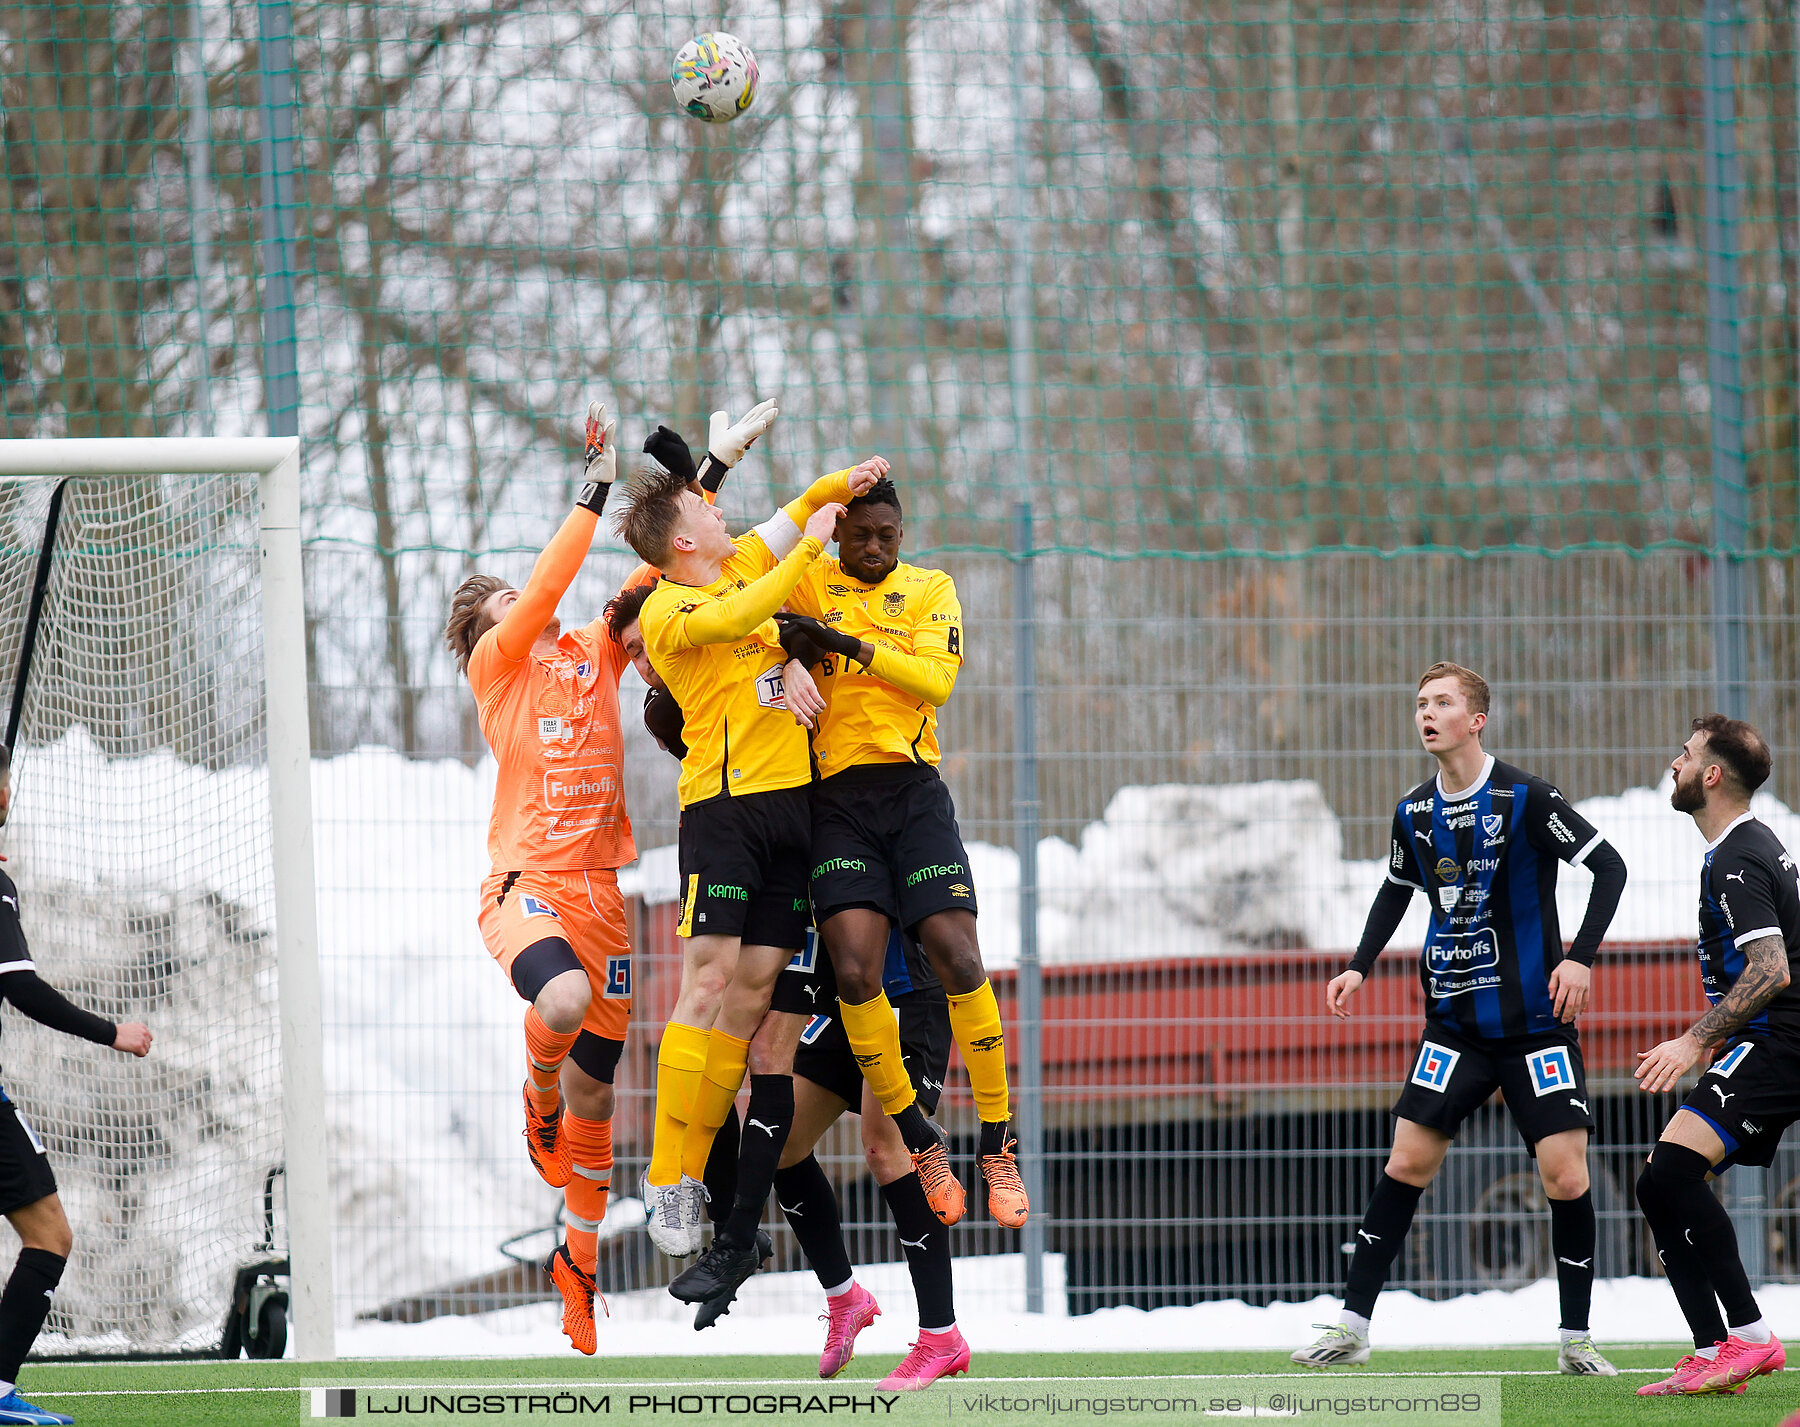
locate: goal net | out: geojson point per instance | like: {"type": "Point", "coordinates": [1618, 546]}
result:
{"type": "Point", "coordinates": [140, 839]}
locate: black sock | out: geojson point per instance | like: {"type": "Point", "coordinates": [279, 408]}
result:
{"type": "Point", "coordinates": [720, 1177]}
{"type": "Point", "coordinates": [994, 1134]}
{"type": "Point", "coordinates": [805, 1195]}
{"type": "Point", "coordinates": [1378, 1240]}
{"type": "Point", "coordinates": [1680, 1174]}
{"type": "Point", "coordinates": [25, 1305]}
{"type": "Point", "coordinates": [926, 1244]}
{"type": "Point", "coordinates": [915, 1129]}
{"type": "Point", "coordinates": [1681, 1263]}
{"type": "Point", "coordinates": [1572, 1236]}
{"type": "Point", "coordinates": [767, 1119]}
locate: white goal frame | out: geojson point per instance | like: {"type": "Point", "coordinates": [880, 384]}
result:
{"type": "Point", "coordinates": [275, 460]}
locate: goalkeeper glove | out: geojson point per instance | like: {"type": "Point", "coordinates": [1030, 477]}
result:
{"type": "Point", "coordinates": [822, 637]}
{"type": "Point", "coordinates": [602, 459]}
{"type": "Point", "coordinates": [671, 452]}
{"type": "Point", "coordinates": [727, 440]}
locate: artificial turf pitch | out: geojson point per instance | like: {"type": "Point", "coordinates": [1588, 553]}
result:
{"type": "Point", "coordinates": [1532, 1393]}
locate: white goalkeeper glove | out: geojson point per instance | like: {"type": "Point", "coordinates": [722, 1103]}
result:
{"type": "Point", "coordinates": [602, 459]}
{"type": "Point", "coordinates": [727, 440]}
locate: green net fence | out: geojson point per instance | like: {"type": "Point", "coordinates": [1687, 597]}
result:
{"type": "Point", "coordinates": [1197, 278]}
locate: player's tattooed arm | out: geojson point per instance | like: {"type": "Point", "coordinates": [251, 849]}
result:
{"type": "Point", "coordinates": [1764, 975]}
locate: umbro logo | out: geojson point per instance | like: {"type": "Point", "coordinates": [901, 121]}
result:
{"type": "Point", "coordinates": [1723, 1097]}
{"type": "Point", "coordinates": [768, 1130]}
{"type": "Point", "coordinates": [1576, 1263]}
{"type": "Point", "coordinates": [1580, 1105]}
{"type": "Point", "coordinates": [868, 1059]}
{"type": "Point", "coordinates": [987, 1043]}
{"type": "Point", "coordinates": [1365, 1234]}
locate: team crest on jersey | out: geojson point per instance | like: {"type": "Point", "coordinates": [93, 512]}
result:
{"type": "Point", "coordinates": [1434, 1066]}
{"type": "Point", "coordinates": [1491, 825]}
{"type": "Point", "coordinates": [1731, 1060]}
{"type": "Point", "coordinates": [771, 691]}
{"type": "Point", "coordinates": [583, 669]}
{"type": "Point", "coordinates": [1551, 1070]}
{"type": "Point", "coordinates": [892, 603]}
{"type": "Point", "coordinates": [618, 978]}
{"type": "Point", "coordinates": [535, 907]}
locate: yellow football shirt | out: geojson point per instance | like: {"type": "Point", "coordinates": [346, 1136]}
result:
{"type": "Point", "coordinates": [886, 713]}
{"type": "Point", "coordinates": [717, 649]}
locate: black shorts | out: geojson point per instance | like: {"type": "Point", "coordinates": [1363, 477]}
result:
{"type": "Point", "coordinates": [798, 989]}
{"type": "Point", "coordinates": [25, 1175]}
{"type": "Point", "coordinates": [1541, 1077]}
{"type": "Point", "coordinates": [884, 835]}
{"type": "Point", "coordinates": [1750, 1096]}
{"type": "Point", "coordinates": [743, 867]}
{"type": "Point", "coordinates": [823, 1055]}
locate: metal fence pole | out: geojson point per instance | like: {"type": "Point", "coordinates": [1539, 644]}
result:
{"type": "Point", "coordinates": [1745, 1187]}
{"type": "Point", "coordinates": [281, 367]}
{"type": "Point", "coordinates": [1029, 1120]}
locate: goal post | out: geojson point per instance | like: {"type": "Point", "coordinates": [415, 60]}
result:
{"type": "Point", "coordinates": [275, 462]}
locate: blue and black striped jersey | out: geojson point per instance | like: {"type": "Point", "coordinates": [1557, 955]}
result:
{"type": "Point", "coordinates": [1748, 890]}
{"type": "Point", "coordinates": [1486, 861]}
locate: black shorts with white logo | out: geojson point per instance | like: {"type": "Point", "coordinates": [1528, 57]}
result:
{"type": "Point", "coordinates": [1540, 1076]}
{"type": "Point", "coordinates": [25, 1175]}
{"type": "Point", "coordinates": [1750, 1096]}
{"type": "Point", "coordinates": [743, 867]}
{"type": "Point", "coordinates": [884, 835]}
{"type": "Point", "coordinates": [798, 989]}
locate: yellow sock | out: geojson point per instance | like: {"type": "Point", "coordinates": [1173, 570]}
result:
{"type": "Point", "coordinates": [874, 1037]}
{"type": "Point", "coordinates": [975, 1022]}
{"type": "Point", "coordinates": [678, 1066]}
{"type": "Point", "coordinates": [726, 1057]}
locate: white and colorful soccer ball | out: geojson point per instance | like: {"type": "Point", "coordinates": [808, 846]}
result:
{"type": "Point", "coordinates": [715, 77]}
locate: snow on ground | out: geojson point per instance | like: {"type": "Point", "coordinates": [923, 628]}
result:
{"type": "Point", "coordinates": [422, 1032]}
{"type": "Point", "coordinates": [1626, 1310]}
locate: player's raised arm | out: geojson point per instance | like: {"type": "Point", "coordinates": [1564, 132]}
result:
{"type": "Point", "coordinates": [1557, 829]}
{"type": "Point", "coordinates": [781, 531]}
{"type": "Point", "coordinates": [557, 567]}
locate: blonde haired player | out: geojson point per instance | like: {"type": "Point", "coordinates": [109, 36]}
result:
{"type": "Point", "coordinates": [744, 836]}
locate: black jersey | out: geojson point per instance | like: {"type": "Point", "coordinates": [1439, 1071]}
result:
{"type": "Point", "coordinates": [1487, 862]}
{"type": "Point", "coordinates": [1748, 891]}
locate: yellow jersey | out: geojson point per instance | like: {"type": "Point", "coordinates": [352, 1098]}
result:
{"type": "Point", "coordinates": [718, 650]}
{"type": "Point", "coordinates": [886, 713]}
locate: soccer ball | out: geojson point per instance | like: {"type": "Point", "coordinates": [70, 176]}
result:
{"type": "Point", "coordinates": [715, 77]}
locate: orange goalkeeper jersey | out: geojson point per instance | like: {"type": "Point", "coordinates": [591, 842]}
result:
{"type": "Point", "coordinates": [886, 713]}
{"type": "Point", "coordinates": [553, 723]}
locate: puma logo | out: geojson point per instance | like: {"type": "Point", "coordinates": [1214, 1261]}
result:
{"type": "Point", "coordinates": [920, 1246]}
{"type": "Point", "coordinates": [812, 994]}
{"type": "Point", "coordinates": [1365, 1234]}
{"type": "Point", "coordinates": [794, 1212]}
{"type": "Point", "coordinates": [1688, 1234]}
{"type": "Point", "coordinates": [1580, 1105]}
{"type": "Point", "coordinates": [768, 1130]}
{"type": "Point", "coordinates": [1576, 1263]}
{"type": "Point", "coordinates": [1735, 877]}
{"type": "Point", "coordinates": [1723, 1097]}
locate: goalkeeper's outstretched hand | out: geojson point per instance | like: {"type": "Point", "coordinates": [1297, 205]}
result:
{"type": "Point", "coordinates": [602, 467]}
{"type": "Point", "coordinates": [670, 450]}
{"type": "Point", "coordinates": [727, 440]}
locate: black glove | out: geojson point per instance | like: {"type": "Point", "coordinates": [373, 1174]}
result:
{"type": "Point", "coordinates": [671, 451]}
{"type": "Point", "coordinates": [664, 719]}
{"type": "Point", "coordinates": [822, 636]}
